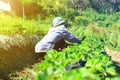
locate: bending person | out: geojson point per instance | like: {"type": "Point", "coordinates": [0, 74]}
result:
{"type": "Point", "coordinates": [55, 38]}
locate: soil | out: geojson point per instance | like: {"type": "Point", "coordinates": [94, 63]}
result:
{"type": "Point", "coordinates": [115, 57]}
{"type": "Point", "coordinates": [19, 66]}
{"type": "Point", "coordinates": [17, 59]}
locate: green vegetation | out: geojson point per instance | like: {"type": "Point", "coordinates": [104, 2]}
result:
{"type": "Point", "coordinates": [13, 25]}
{"type": "Point", "coordinates": [15, 32]}
{"type": "Point", "coordinates": [95, 22]}
{"type": "Point", "coordinates": [98, 65]}
{"type": "Point", "coordinates": [88, 22]}
{"type": "Point", "coordinates": [106, 26]}
{"type": "Point", "coordinates": [48, 7]}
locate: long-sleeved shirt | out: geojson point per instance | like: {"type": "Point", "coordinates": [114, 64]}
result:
{"type": "Point", "coordinates": [50, 39]}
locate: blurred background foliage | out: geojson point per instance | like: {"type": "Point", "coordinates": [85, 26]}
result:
{"type": "Point", "coordinates": [56, 7]}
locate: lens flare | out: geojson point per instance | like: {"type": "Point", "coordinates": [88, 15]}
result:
{"type": "Point", "coordinates": [5, 6]}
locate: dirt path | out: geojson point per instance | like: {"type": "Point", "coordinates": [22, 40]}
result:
{"type": "Point", "coordinates": [115, 56]}
{"type": "Point", "coordinates": [25, 73]}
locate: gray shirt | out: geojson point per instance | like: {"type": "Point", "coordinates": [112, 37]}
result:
{"type": "Point", "coordinates": [50, 39]}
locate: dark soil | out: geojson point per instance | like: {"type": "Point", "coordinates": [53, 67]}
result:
{"type": "Point", "coordinates": [16, 59]}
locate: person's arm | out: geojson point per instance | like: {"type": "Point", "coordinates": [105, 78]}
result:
{"type": "Point", "coordinates": [69, 37]}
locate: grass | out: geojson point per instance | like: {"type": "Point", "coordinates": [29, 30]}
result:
{"type": "Point", "coordinates": [15, 32]}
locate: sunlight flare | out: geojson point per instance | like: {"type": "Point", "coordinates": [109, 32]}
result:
{"type": "Point", "coordinates": [5, 6]}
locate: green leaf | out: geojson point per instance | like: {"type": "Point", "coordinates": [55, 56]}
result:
{"type": "Point", "coordinates": [99, 67]}
{"type": "Point", "coordinates": [111, 71]}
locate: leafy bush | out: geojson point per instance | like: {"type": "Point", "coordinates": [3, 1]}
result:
{"type": "Point", "coordinates": [106, 26]}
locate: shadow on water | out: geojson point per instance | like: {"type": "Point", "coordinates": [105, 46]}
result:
{"type": "Point", "coordinates": [16, 58]}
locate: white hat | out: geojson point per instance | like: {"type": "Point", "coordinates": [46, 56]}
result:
{"type": "Point", "coordinates": [57, 21]}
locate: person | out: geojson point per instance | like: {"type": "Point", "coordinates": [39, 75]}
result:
{"type": "Point", "coordinates": [56, 37]}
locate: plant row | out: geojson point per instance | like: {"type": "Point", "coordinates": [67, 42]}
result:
{"type": "Point", "coordinates": [98, 65]}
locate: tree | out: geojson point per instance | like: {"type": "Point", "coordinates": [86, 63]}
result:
{"type": "Point", "coordinates": [55, 6]}
{"type": "Point", "coordinates": [23, 4]}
